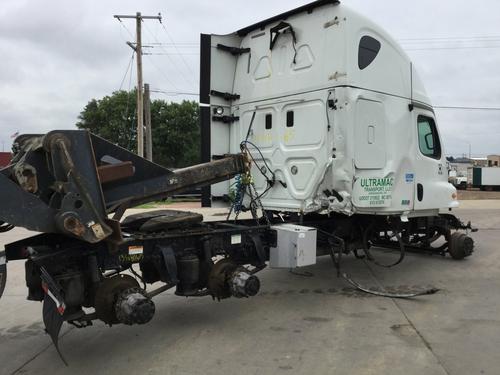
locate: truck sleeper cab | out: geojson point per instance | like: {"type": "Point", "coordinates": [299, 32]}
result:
{"type": "Point", "coordinates": [333, 107]}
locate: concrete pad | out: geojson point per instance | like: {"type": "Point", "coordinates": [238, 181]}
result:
{"type": "Point", "coordinates": [296, 325]}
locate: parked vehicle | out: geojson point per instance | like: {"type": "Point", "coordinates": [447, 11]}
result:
{"type": "Point", "coordinates": [314, 121]}
{"type": "Point", "coordinates": [459, 181]}
{"type": "Point", "coordinates": [485, 178]}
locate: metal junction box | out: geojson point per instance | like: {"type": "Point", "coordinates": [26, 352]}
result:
{"type": "Point", "coordinates": [296, 246]}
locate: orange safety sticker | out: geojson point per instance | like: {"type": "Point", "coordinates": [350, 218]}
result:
{"type": "Point", "coordinates": [135, 250]}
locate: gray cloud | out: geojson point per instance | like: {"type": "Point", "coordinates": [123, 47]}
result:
{"type": "Point", "coordinates": [57, 55]}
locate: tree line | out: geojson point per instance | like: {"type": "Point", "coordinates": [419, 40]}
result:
{"type": "Point", "coordinates": [175, 126]}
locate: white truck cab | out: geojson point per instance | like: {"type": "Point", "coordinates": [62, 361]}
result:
{"type": "Point", "coordinates": [331, 107]}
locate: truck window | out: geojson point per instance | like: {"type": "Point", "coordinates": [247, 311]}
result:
{"type": "Point", "coordinates": [428, 140]}
{"type": "Point", "coordinates": [368, 49]}
{"type": "Point", "coordinates": [289, 119]}
{"type": "Point", "coordinates": [269, 121]}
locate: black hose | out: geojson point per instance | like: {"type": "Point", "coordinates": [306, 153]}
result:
{"type": "Point", "coordinates": [340, 245]}
{"type": "Point", "coordinates": [131, 268]}
{"type": "Point", "coordinates": [4, 227]}
{"type": "Point", "coordinates": [370, 257]}
{"type": "Point", "coordinates": [385, 293]}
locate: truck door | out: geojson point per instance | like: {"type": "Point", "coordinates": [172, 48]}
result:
{"type": "Point", "coordinates": [369, 135]}
{"type": "Point", "coordinates": [218, 67]}
{"type": "Point", "coordinates": [430, 171]}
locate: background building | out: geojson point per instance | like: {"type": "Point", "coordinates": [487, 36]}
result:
{"type": "Point", "coordinates": [493, 160]}
{"type": "Point", "coordinates": [4, 159]}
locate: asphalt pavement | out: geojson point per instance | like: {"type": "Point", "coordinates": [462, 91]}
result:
{"type": "Point", "coordinates": [307, 323]}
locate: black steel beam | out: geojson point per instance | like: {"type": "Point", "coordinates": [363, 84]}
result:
{"type": "Point", "coordinates": [283, 16]}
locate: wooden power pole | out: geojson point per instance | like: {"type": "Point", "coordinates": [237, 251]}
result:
{"type": "Point", "coordinates": [137, 47]}
{"type": "Point", "coordinates": [147, 119]}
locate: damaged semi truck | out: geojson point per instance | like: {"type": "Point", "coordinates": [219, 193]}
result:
{"type": "Point", "coordinates": [314, 121]}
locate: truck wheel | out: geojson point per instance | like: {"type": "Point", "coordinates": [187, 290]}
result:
{"type": "Point", "coordinates": [460, 246]}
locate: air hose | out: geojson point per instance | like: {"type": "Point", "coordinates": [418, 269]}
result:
{"type": "Point", "coordinates": [385, 293]}
{"type": "Point", "coordinates": [338, 243]}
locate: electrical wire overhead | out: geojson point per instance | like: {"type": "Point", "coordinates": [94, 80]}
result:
{"type": "Point", "coordinates": [126, 29]}
{"type": "Point", "coordinates": [172, 61]}
{"type": "Point", "coordinates": [467, 38]}
{"type": "Point", "coordinates": [127, 70]}
{"type": "Point", "coordinates": [451, 48]}
{"type": "Point", "coordinates": [174, 93]}
{"type": "Point", "coordinates": [175, 46]}
{"type": "Point", "coordinates": [469, 108]}
{"type": "Point", "coordinates": [174, 86]}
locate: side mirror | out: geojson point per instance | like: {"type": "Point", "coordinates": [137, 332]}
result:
{"type": "Point", "coordinates": [429, 141]}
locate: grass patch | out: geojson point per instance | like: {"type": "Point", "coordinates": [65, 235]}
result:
{"type": "Point", "coordinates": [166, 202]}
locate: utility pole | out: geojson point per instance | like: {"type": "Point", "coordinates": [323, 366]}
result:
{"type": "Point", "coordinates": [138, 50]}
{"type": "Point", "coordinates": [147, 119]}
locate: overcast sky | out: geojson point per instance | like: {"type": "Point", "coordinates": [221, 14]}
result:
{"type": "Point", "coordinates": [56, 55]}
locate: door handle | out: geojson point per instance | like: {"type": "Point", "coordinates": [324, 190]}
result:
{"type": "Point", "coordinates": [420, 192]}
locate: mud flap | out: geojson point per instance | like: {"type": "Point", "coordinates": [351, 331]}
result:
{"type": "Point", "coordinates": [53, 321]}
{"type": "Point", "coordinates": [3, 272]}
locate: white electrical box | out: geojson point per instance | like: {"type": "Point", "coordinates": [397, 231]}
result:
{"type": "Point", "coordinates": [296, 246]}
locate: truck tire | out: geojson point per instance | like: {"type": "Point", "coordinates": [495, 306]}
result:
{"type": "Point", "coordinates": [460, 246]}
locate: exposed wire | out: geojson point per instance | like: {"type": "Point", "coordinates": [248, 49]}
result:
{"type": "Point", "coordinates": [250, 126]}
{"type": "Point", "coordinates": [126, 71]}
{"type": "Point", "coordinates": [243, 144]}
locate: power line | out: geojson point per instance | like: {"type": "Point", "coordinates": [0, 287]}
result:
{"type": "Point", "coordinates": [170, 45]}
{"type": "Point", "coordinates": [126, 28]}
{"type": "Point", "coordinates": [137, 47]}
{"type": "Point", "coordinates": [174, 93]}
{"type": "Point", "coordinates": [467, 38]}
{"type": "Point", "coordinates": [469, 108]}
{"type": "Point", "coordinates": [172, 54]}
{"type": "Point", "coordinates": [450, 43]}
{"type": "Point", "coordinates": [172, 60]}
{"type": "Point", "coordinates": [451, 48]}
{"type": "Point", "coordinates": [126, 72]}
{"type": "Point", "coordinates": [162, 72]}
{"type": "Point", "coordinates": [175, 46]}
{"type": "Point", "coordinates": [125, 118]}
